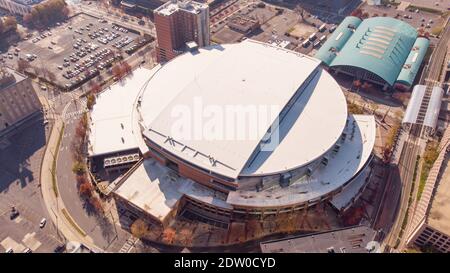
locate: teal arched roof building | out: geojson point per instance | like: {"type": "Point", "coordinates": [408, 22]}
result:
{"type": "Point", "coordinates": [386, 47]}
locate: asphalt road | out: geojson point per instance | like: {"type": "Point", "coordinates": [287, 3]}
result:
{"type": "Point", "coordinates": [111, 16]}
{"type": "Point", "coordinates": [20, 161]}
{"type": "Point", "coordinates": [406, 167]}
{"type": "Point", "coordinates": [104, 234]}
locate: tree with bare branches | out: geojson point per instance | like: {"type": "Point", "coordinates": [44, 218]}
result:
{"type": "Point", "coordinates": [22, 65]}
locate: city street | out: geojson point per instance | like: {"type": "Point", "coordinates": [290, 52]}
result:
{"type": "Point", "coordinates": [20, 162]}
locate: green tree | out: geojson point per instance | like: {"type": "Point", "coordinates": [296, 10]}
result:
{"type": "Point", "coordinates": [90, 101]}
{"type": "Point", "coordinates": [139, 228]}
{"type": "Point", "coordinates": [78, 167]}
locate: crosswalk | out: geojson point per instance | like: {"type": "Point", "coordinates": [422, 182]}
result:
{"type": "Point", "coordinates": [80, 109]}
{"type": "Point", "coordinates": [129, 244]}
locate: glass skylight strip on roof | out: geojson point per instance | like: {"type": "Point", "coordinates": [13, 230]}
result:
{"type": "Point", "coordinates": [414, 59]}
{"type": "Point", "coordinates": [384, 32]}
{"type": "Point", "coordinates": [385, 28]}
{"type": "Point", "coordinates": [378, 40]}
{"type": "Point", "coordinates": [371, 54]}
{"type": "Point", "coordinates": [387, 38]}
{"type": "Point", "coordinates": [376, 44]}
{"type": "Point", "coordinates": [374, 49]}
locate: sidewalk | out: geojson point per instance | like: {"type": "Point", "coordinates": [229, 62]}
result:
{"type": "Point", "coordinates": [55, 205]}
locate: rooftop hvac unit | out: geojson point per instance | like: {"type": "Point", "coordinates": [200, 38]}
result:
{"type": "Point", "coordinates": [324, 161]}
{"type": "Point", "coordinates": [336, 148]}
{"type": "Point", "coordinates": [308, 172]}
{"type": "Point", "coordinates": [285, 180]}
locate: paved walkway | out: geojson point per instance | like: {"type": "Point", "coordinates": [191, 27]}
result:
{"type": "Point", "coordinates": [55, 205]}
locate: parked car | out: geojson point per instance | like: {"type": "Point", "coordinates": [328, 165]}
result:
{"type": "Point", "coordinates": [27, 250]}
{"type": "Point", "coordinates": [42, 222]}
{"type": "Point", "coordinates": [14, 213]}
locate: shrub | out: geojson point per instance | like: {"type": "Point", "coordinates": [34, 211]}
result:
{"type": "Point", "coordinates": [139, 228]}
{"type": "Point", "coordinates": [85, 189]}
{"type": "Point", "coordinates": [79, 168]}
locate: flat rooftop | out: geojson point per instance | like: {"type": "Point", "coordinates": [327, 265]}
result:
{"type": "Point", "coordinates": [156, 190]}
{"type": "Point", "coordinates": [241, 79]}
{"type": "Point", "coordinates": [9, 76]}
{"type": "Point", "coordinates": [439, 217]}
{"type": "Point", "coordinates": [173, 6]}
{"type": "Point", "coordinates": [351, 158]}
{"type": "Point", "coordinates": [347, 240]}
{"type": "Point", "coordinates": [112, 125]}
{"type": "Point", "coordinates": [344, 199]}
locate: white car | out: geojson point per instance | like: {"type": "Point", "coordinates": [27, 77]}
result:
{"type": "Point", "coordinates": [43, 87]}
{"type": "Point", "coordinates": [42, 223]}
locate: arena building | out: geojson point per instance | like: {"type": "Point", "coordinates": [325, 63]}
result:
{"type": "Point", "coordinates": [232, 132]}
{"type": "Point", "coordinates": [381, 50]}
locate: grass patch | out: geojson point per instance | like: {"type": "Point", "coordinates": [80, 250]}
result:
{"type": "Point", "coordinates": [66, 214]}
{"type": "Point", "coordinates": [436, 31]}
{"type": "Point", "coordinates": [355, 109]}
{"type": "Point", "coordinates": [430, 155]}
{"type": "Point", "coordinates": [54, 183]}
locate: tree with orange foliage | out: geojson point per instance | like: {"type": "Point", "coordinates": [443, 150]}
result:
{"type": "Point", "coordinates": [85, 189]}
{"type": "Point", "coordinates": [95, 87]}
{"type": "Point", "coordinates": [357, 13]}
{"type": "Point", "coordinates": [81, 178]}
{"type": "Point", "coordinates": [126, 68]}
{"type": "Point", "coordinates": [169, 235]}
{"type": "Point", "coordinates": [186, 234]}
{"type": "Point", "coordinates": [80, 131]}
{"type": "Point", "coordinates": [117, 71]}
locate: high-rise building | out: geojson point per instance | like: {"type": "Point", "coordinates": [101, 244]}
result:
{"type": "Point", "coordinates": [18, 100]}
{"type": "Point", "coordinates": [179, 22]}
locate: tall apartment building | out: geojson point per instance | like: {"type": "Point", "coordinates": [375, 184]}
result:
{"type": "Point", "coordinates": [179, 22]}
{"type": "Point", "coordinates": [18, 100]}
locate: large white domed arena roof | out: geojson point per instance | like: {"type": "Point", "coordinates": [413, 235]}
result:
{"type": "Point", "coordinates": [289, 91]}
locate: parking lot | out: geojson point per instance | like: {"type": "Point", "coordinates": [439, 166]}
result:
{"type": "Point", "coordinates": [279, 26]}
{"type": "Point", "coordinates": [414, 17]}
{"type": "Point", "coordinates": [73, 52]}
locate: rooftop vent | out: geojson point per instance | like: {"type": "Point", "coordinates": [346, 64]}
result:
{"type": "Point", "coordinates": [324, 161]}
{"type": "Point", "coordinates": [192, 46]}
